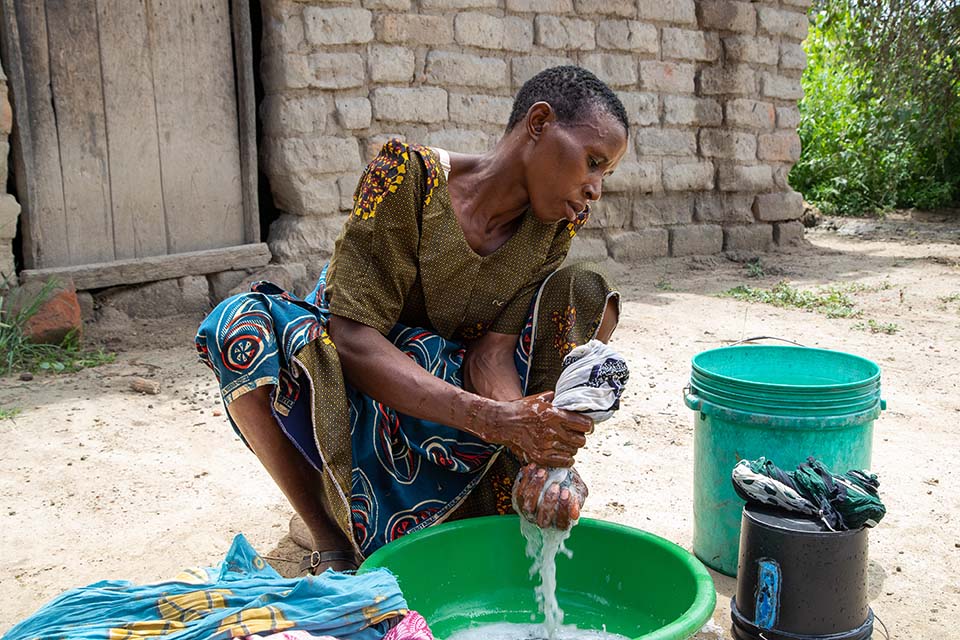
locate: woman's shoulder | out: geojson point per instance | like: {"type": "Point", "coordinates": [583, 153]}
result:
{"type": "Point", "coordinates": [398, 166]}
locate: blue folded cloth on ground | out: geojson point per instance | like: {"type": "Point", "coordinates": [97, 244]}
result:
{"type": "Point", "coordinates": [243, 596]}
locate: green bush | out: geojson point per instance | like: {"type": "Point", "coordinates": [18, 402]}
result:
{"type": "Point", "coordinates": [880, 117]}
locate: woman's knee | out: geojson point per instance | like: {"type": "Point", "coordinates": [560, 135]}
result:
{"type": "Point", "coordinates": [588, 288]}
{"type": "Point", "coordinates": [236, 334]}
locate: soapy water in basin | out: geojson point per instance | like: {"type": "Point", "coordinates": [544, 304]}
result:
{"type": "Point", "coordinates": [542, 547]}
{"type": "Point", "coordinates": [511, 631]}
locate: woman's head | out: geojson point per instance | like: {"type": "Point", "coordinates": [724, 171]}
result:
{"type": "Point", "coordinates": [575, 133]}
{"type": "Point", "coordinates": [573, 92]}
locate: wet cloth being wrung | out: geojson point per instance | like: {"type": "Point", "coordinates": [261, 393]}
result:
{"type": "Point", "coordinates": [591, 382]}
{"type": "Point", "coordinates": [842, 502]}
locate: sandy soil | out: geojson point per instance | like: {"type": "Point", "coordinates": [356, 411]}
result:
{"type": "Point", "coordinates": [99, 482]}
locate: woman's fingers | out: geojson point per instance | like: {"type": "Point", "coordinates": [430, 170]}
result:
{"type": "Point", "coordinates": [563, 509]}
{"type": "Point", "coordinates": [575, 510]}
{"type": "Point", "coordinates": [531, 492]}
{"type": "Point", "coordinates": [547, 512]}
{"type": "Point", "coordinates": [576, 421]}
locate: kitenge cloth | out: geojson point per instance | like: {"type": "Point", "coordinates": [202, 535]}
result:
{"type": "Point", "coordinates": [241, 597]}
{"type": "Point", "coordinates": [846, 501]}
{"type": "Point", "coordinates": [411, 627]}
{"type": "Point", "coordinates": [592, 381]}
{"type": "Point", "coordinates": [403, 266]}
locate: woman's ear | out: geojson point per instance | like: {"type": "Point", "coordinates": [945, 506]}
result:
{"type": "Point", "coordinates": [538, 116]}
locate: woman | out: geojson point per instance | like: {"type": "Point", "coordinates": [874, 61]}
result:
{"type": "Point", "coordinates": [404, 390]}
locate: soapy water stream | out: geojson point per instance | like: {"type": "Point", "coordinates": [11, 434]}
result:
{"type": "Point", "coordinates": [542, 547]}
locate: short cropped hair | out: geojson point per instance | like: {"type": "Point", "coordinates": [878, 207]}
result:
{"type": "Point", "coordinates": [571, 91]}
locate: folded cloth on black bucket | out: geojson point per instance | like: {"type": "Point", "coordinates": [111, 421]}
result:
{"type": "Point", "coordinates": [842, 502]}
{"type": "Point", "coordinates": [592, 381]}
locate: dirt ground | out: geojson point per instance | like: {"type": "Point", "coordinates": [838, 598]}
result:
{"type": "Point", "coordinates": [100, 482]}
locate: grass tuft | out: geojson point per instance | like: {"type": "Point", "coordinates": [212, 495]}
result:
{"type": "Point", "coordinates": [832, 302]}
{"type": "Point", "coordinates": [873, 326]}
{"type": "Point", "coordinates": [18, 353]}
{"type": "Point", "coordinates": [663, 284]}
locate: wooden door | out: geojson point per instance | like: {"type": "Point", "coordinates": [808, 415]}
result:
{"type": "Point", "coordinates": [132, 139]}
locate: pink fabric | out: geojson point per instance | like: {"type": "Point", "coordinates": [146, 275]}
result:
{"type": "Point", "coordinates": [290, 635]}
{"type": "Point", "coordinates": [412, 627]}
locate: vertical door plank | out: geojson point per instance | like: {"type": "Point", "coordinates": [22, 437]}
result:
{"type": "Point", "coordinates": [78, 100]}
{"type": "Point", "coordinates": [36, 146]}
{"type": "Point", "coordinates": [136, 194]}
{"type": "Point", "coordinates": [197, 115]}
{"type": "Point", "coordinates": [247, 109]}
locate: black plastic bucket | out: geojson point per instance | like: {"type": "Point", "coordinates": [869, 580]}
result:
{"type": "Point", "coordinates": [798, 581]}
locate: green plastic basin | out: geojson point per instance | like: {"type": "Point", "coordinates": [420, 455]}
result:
{"type": "Point", "coordinates": [475, 571]}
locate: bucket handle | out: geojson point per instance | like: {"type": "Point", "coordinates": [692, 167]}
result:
{"type": "Point", "coordinates": [690, 399]}
{"type": "Point", "coordinates": [756, 338]}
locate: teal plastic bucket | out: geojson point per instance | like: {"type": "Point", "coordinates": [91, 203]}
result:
{"type": "Point", "coordinates": [475, 571]}
{"type": "Point", "coordinates": [784, 403]}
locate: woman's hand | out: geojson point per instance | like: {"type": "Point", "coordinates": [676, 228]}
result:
{"type": "Point", "coordinates": [561, 502]}
{"type": "Point", "coordinates": [533, 428]}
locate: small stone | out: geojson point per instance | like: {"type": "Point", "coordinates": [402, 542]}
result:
{"type": "Point", "coordinates": [26, 376]}
{"type": "Point", "coordinates": [142, 385]}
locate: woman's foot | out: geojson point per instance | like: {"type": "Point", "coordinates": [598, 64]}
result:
{"type": "Point", "coordinates": [299, 532]}
{"type": "Point", "coordinates": [319, 561]}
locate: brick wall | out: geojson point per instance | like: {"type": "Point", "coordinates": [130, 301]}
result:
{"type": "Point", "coordinates": [9, 207]}
{"type": "Point", "coordinates": [710, 88]}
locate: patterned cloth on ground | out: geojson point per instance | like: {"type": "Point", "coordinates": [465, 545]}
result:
{"type": "Point", "coordinates": [241, 597]}
{"type": "Point", "coordinates": [403, 267]}
{"type": "Point", "coordinates": [412, 627]}
{"type": "Point", "coordinates": [592, 381]}
{"type": "Point", "coordinates": [841, 502]}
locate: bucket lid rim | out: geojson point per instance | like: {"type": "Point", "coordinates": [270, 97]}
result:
{"type": "Point", "coordinates": [792, 349]}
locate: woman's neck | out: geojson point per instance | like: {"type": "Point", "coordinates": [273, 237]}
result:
{"type": "Point", "coordinates": [489, 191]}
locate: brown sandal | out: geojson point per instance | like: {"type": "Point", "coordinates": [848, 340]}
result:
{"type": "Point", "coordinates": [311, 563]}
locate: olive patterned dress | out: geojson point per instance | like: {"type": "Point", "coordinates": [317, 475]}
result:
{"type": "Point", "coordinates": [403, 266]}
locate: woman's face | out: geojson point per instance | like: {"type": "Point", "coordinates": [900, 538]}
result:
{"type": "Point", "coordinates": [568, 162]}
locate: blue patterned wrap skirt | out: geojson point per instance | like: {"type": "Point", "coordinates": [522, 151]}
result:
{"type": "Point", "coordinates": [406, 473]}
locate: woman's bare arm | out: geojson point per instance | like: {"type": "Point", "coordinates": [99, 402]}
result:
{"type": "Point", "coordinates": [488, 368]}
{"type": "Point", "coordinates": [373, 365]}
